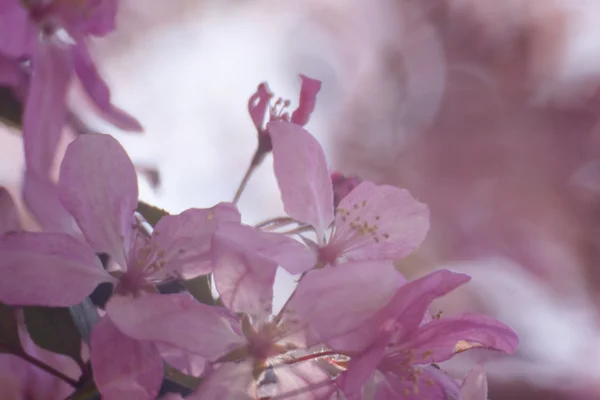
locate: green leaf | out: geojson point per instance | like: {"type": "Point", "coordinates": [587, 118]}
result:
{"type": "Point", "coordinates": [53, 329]}
{"type": "Point", "coordinates": [10, 341]}
{"type": "Point", "coordinates": [200, 288]}
{"type": "Point", "coordinates": [151, 213]}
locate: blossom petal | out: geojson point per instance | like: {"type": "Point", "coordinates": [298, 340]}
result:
{"type": "Point", "coordinates": [186, 238]}
{"type": "Point", "coordinates": [124, 368]}
{"type": "Point", "coordinates": [475, 385]}
{"type": "Point", "coordinates": [440, 339]}
{"type": "Point", "coordinates": [304, 380]}
{"type": "Point", "coordinates": [45, 108]}
{"type": "Point", "coordinates": [418, 384]}
{"type": "Point", "coordinates": [188, 363]}
{"type": "Point", "coordinates": [10, 72]}
{"type": "Point", "coordinates": [411, 301]}
{"type": "Point", "coordinates": [272, 247]}
{"type": "Point", "coordinates": [98, 186]}
{"type": "Point", "coordinates": [175, 319]}
{"type": "Point", "coordinates": [380, 222]}
{"type": "Point", "coordinates": [243, 280]}
{"type": "Point", "coordinates": [361, 369]}
{"type": "Point", "coordinates": [59, 270]}
{"type": "Point", "coordinates": [231, 381]}
{"type": "Point", "coordinates": [302, 175]}
{"type": "Point", "coordinates": [40, 195]}
{"type": "Point", "coordinates": [17, 33]}
{"type": "Point", "coordinates": [96, 88]}
{"type": "Point", "coordinates": [346, 296]}
{"type": "Point", "coordinates": [9, 219]}
{"type": "Point", "coordinates": [405, 310]}
{"type": "Point", "coordinates": [258, 104]}
{"type": "Point", "coordinates": [308, 97]}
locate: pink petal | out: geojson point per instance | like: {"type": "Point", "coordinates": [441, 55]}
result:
{"type": "Point", "coordinates": [440, 339]}
{"type": "Point", "coordinates": [345, 296]}
{"type": "Point", "coordinates": [411, 301]}
{"type": "Point", "coordinates": [424, 384]}
{"type": "Point", "coordinates": [17, 33]}
{"type": "Point", "coordinates": [379, 223]}
{"type": "Point", "coordinates": [186, 238]}
{"type": "Point", "coordinates": [9, 218]}
{"type": "Point", "coordinates": [60, 271]}
{"type": "Point", "coordinates": [98, 186]}
{"type": "Point", "coordinates": [405, 309]}
{"type": "Point", "coordinates": [40, 195]}
{"type": "Point", "coordinates": [302, 175]}
{"type": "Point", "coordinates": [258, 104]}
{"type": "Point", "coordinates": [272, 247]}
{"type": "Point", "coordinates": [45, 108]}
{"type": "Point", "coordinates": [308, 97]}
{"type": "Point", "coordinates": [96, 17]}
{"type": "Point", "coordinates": [231, 381]}
{"type": "Point", "coordinates": [474, 386]}
{"type": "Point", "coordinates": [361, 369]}
{"type": "Point", "coordinates": [304, 380]}
{"type": "Point", "coordinates": [96, 88]}
{"type": "Point", "coordinates": [124, 368]}
{"type": "Point", "coordinates": [244, 281]}
{"type": "Point", "coordinates": [10, 72]}
{"type": "Point", "coordinates": [187, 363]}
{"type": "Point", "coordinates": [177, 320]}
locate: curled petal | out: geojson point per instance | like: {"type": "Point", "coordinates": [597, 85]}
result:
{"type": "Point", "coordinates": [411, 301]}
{"type": "Point", "coordinates": [186, 238]}
{"type": "Point", "coordinates": [45, 108]}
{"type": "Point", "coordinates": [379, 222]}
{"type": "Point", "coordinates": [98, 186]}
{"type": "Point", "coordinates": [302, 175]}
{"type": "Point", "coordinates": [346, 296]}
{"type": "Point", "coordinates": [440, 339]}
{"type": "Point", "coordinates": [258, 104]}
{"type": "Point", "coordinates": [59, 270]}
{"type": "Point", "coordinates": [9, 218]}
{"type": "Point", "coordinates": [474, 386]}
{"type": "Point", "coordinates": [124, 368]}
{"type": "Point", "coordinates": [308, 97]}
{"type": "Point", "coordinates": [96, 88]}
{"type": "Point", "coordinates": [177, 320]}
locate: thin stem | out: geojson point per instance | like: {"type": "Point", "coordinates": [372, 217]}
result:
{"type": "Point", "coordinates": [45, 367]}
{"type": "Point", "coordinates": [256, 160]}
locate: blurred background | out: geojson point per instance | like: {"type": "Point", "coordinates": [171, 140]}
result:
{"type": "Point", "coordinates": [486, 110]}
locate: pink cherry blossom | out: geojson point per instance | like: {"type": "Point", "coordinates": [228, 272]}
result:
{"type": "Point", "coordinates": [372, 222]}
{"type": "Point", "coordinates": [400, 360]}
{"type": "Point", "coordinates": [98, 187]}
{"type": "Point", "coordinates": [250, 352]}
{"type": "Point", "coordinates": [259, 103]}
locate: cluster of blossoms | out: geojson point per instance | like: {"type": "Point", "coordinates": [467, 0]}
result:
{"type": "Point", "coordinates": [353, 328]}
